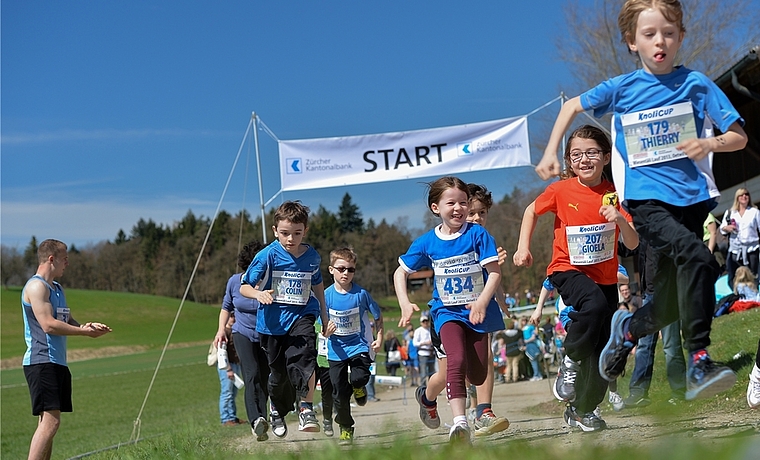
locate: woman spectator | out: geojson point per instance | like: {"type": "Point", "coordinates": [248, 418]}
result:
{"type": "Point", "coordinates": [512, 344]}
{"type": "Point", "coordinates": [742, 225]}
{"type": "Point", "coordinates": [392, 353]}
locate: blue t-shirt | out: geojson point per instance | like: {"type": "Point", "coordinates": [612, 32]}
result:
{"type": "Point", "coordinates": [291, 278]}
{"type": "Point", "coordinates": [457, 261]}
{"type": "Point", "coordinates": [245, 309]}
{"type": "Point", "coordinates": [680, 182]}
{"type": "Point", "coordinates": [42, 347]}
{"type": "Point", "coordinates": [348, 311]}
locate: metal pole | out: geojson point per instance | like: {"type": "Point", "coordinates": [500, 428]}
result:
{"type": "Point", "coordinates": [255, 123]}
{"type": "Point", "coordinates": [564, 135]}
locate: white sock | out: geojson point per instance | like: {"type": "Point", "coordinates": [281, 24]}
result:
{"type": "Point", "coordinates": [460, 420]}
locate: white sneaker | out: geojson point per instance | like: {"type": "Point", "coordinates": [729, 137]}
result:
{"type": "Point", "coordinates": [617, 401]}
{"type": "Point", "coordinates": [460, 433]}
{"type": "Point", "coordinates": [753, 388]}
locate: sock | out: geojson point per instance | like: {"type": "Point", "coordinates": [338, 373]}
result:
{"type": "Point", "coordinates": [306, 406]}
{"type": "Point", "coordinates": [427, 402]}
{"type": "Point", "coordinates": [460, 420]}
{"type": "Point", "coordinates": [699, 355]}
{"type": "Point", "coordinates": [482, 408]}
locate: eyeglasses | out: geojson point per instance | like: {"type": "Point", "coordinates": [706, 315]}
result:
{"type": "Point", "coordinates": [591, 154]}
{"type": "Point", "coordinates": [343, 269]}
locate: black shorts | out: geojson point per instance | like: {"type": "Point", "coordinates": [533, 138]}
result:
{"type": "Point", "coordinates": [49, 387]}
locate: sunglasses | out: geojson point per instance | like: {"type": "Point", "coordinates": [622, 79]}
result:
{"type": "Point", "coordinates": [744, 194]}
{"type": "Point", "coordinates": [343, 269]}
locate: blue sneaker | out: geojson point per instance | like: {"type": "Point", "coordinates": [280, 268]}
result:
{"type": "Point", "coordinates": [706, 378]}
{"type": "Point", "coordinates": [615, 353]}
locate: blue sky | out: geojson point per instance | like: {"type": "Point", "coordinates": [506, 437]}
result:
{"type": "Point", "coordinates": [115, 111]}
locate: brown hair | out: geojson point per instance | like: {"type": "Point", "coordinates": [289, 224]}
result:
{"type": "Point", "coordinates": [629, 16]}
{"type": "Point", "coordinates": [50, 248]}
{"type": "Point", "coordinates": [293, 211]}
{"type": "Point", "coordinates": [480, 193]}
{"type": "Point", "coordinates": [346, 254]}
{"type": "Point", "coordinates": [249, 251]}
{"type": "Point", "coordinates": [585, 132]}
{"type": "Point", "coordinates": [438, 186]}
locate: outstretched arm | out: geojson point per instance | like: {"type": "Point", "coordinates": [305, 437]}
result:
{"type": "Point", "coordinates": [732, 140]}
{"type": "Point", "coordinates": [549, 166]}
{"type": "Point", "coordinates": [37, 294]}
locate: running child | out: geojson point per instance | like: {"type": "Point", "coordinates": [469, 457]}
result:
{"type": "Point", "coordinates": [465, 262]}
{"type": "Point", "coordinates": [348, 347]}
{"type": "Point", "coordinates": [583, 268]}
{"type": "Point", "coordinates": [663, 121]}
{"type": "Point", "coordinates": [483, 419]}
{"type": "Point", "coordinates": [291, 293]}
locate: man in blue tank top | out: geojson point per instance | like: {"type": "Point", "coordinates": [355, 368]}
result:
{"type": "Point", "coordinates": [47, 322]}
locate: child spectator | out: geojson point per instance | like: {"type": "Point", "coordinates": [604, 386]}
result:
{"type": "Point", "coordinates": [348, 347]}
{"type": "Point", "coordinates": [292, 297]}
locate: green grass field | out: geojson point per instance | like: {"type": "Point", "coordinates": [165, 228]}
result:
{"type": "Point", "coordinates": [180, 419]}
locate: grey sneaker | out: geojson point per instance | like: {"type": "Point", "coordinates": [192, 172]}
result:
{"type": "Point", "coordinates": [636, 400]}
{"type": "Point", "coordinates": [279, 428]}
{"type": "Point", "coordinates": [259, 429]}
{"type": "Point", "coordinates": [428, 414]}
{"type": "Point", "coordinates": [564, 386]}
{"type": "Point", "coordinates": [489, 423]}
{"type": "Point", "coordinates": [307, 421]}
{"type": "Point", "coordinates": [615, 354]}
{"type": "Point", "coordinates": [706, 378]}
{"type": "Point", "coordinates": [586, 422]}
{"type": "Point", "coordinates": [327, 426]}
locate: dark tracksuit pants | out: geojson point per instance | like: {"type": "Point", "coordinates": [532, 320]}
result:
{"type": "Point", "coordinates": [344, 384]}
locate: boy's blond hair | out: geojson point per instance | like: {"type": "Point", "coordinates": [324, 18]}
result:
{"type": "Point", "coordinates": [629, 16]}
{"type": "Point", "coordinates": [292, 211]}
{"type": "Point", "coordinates": [346, 254]}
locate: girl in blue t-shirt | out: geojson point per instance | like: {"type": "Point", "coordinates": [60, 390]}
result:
{"type": "Point", "coordinates": [465, 262]}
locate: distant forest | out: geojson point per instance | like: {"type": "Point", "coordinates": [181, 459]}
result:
{"type": "Point", "coordinates": [158, 260]}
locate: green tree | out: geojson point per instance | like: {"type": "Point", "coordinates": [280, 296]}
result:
{"type": "Point", "coordinates": [349, 216]}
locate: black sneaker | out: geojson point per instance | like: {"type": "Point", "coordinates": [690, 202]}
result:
{"type": "Point", "coordinates": [706, 378]}
{"type": "Point", "coordinates": [360, 395]}
{"type": "Point", "coordinates": [259, 429]}
{"type": "Point", "coordinates": [587, 422]}
{"type": "Point", "coordinates": [564, 386]}
{"type": "Point", "coordinates": [635, 400]}
{"type": "Point", "coordinates": [615, 354]}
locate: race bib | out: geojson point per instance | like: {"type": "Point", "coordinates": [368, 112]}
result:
{"type": "Point", "coordinates": [651, 135]}
{"type": "Point", "coordinates": [348, 322]}
{"type": "Point", "coordinates": [591, 244]}
{"type": "Point", "coordinates": [291, 287]}
{"type": "Point", "coordinates": [63, 314]}
{"type": "Point", "coordinates": [459, 280]}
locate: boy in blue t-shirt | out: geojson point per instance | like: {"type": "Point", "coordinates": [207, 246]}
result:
{"type": "Point", "coordinates": [663, 126]}
{"type": "Point", "coordinates": [349, 345]}
{"type": "Point", "coordinates": [288, 285]}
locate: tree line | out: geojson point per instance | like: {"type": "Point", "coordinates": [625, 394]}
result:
{"type": "Point", "coordinates": [159, 259]}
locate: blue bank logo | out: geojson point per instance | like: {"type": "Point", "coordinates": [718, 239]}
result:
{"type": "Point", "coordinates": [293, 166]}
{"type": "Point", "coordinates": [464, 149]}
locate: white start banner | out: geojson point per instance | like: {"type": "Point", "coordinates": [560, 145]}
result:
{"type": "Point", "coordinates": [338, 161]}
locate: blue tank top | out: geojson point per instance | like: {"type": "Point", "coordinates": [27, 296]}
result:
{"type": "Point", "coordinates": [42, 347]}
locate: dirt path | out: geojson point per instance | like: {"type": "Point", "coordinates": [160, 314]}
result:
{"type": "Point", "coordinates": [535, 417]}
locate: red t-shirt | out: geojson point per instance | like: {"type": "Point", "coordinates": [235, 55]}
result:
{"type": "Point", "coordinates": [577, 206]}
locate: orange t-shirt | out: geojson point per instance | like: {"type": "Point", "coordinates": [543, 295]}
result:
{"type": "Point", "coordinates": [577, 207]}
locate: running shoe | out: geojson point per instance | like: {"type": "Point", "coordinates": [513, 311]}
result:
{"type": "Point", "coordinates": [307, 421]}
{"type": "Point", "coordinates": [328, 427]}
{"type": "Point", "coordinates": [259, 429]}
{"type": "Point", "coordinates": [489, 423]}
{"type": "Point", "coordinates": [636, 400]}
{"type": "Point", "coordinates": [615, 353]}
{"type": "Point", "coordinates": [346, 435]}
{"type": "Point", "coordinates": [459, 433]}
{"type": "Point", "coordinates": [753, 388]}
{"type": "Point", "coordinates": [564, 386]}
{"type": "Point", "coordinates": [706, 378]}
{"type": "Point", "coordinates": [589, 421]}
{"type": "Point", "coordinates": [279, 428]}
{"type": "Point", "coordinates": [360, 395]}
{"type": "Point", "coordinates": [617, 401]}
{"type": "Point", "coordinates": [428, 414]}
